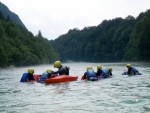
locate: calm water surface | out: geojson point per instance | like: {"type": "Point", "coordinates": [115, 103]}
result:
{"type": "Point", "coordinates": [119, 94]}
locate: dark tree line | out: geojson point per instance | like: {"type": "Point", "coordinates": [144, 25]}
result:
{"type": "Point", "coordinates": [113, 40]}
{"type": "Point", "coordinates": [20, 47]}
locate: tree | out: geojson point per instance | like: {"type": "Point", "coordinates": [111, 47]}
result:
{"type": "Point", "coordinates": [39, 34]}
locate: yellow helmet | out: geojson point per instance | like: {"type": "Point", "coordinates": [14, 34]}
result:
{"type": "Point", "coordinates": [128, 65]}
{"type": "Point", "coordinates": [89, 67]}
{"type": "Point", "coordinates": [99, 67]}
{"type": "Point", "coordinates": [48, 70]}
{"type": "Point", "coordinates": [31, 71]}
{"type": "Point", "coordinates": [57, 64]}
{"type": "Point", "coordinates": [110, 68]}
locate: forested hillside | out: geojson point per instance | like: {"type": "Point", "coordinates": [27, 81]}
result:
{"type": "Point", "coordinates": [113, 40]}
{"type": "Point", "coordinates": [20, 47]}
{"type": "Point", "coordinates": [10, 15]}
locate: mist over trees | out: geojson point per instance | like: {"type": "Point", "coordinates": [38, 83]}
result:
{"type": "Point", "coordinates": [113, 40]}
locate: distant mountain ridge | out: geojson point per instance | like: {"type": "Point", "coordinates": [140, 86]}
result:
{"type": "Point", "coordinates": [7, 13]}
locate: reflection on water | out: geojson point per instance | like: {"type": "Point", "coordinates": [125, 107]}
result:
{"type": "Point", "coordinates": [119, 94]}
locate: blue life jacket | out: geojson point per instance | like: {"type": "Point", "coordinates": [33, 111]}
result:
{"type": "Point", "coordinates": [91, 75]}
{"type": "Point", "coordinates": [105, 73]}
{"type": "Point", "coordinates": [43, 77]}
{"type": "Point", "coordinates": [134, 70]}
{"type": "Point", "coordinates": [24, 77]}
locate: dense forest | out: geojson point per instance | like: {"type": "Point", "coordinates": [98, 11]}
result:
{"type": "Point", "coordinates": [19, 47]}
{"type": "Point", "coordinates": [113, 40]}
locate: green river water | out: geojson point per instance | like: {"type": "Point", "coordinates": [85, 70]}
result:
{"type": "Point", "coordinates": [119, 94]}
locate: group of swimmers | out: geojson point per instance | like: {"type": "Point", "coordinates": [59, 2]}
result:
{"type": "Point", "coordinates": [106, 72]}
{"type": "Point", "coordinates": [62, 70]}
{"type": "Point", "coordinates": [88, 75]}
{"type": "Point", "coordinates": [101, 73]}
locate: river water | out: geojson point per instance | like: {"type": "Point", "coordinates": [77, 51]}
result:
{"type": "Point", "coordinates": [119, 94]}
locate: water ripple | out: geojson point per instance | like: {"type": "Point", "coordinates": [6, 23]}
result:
{"type": "Point", "coordinates": [119, 94]}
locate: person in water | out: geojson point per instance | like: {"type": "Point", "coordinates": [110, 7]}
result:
{"type": "Point", "coordinates": [132, 70]}
{"type": "Point", "coordinates": [30, 76]}
{"type": "Point", "coordinates": [90, 74]}
{"type": "Point", "coordinates": [45, 75]}
{"type": "Point", "coordinates": [110, 71]}
{"type": "Point", "coordinates": [49, 73]}
{"type": "Point", "coordinates": [99, 71]}
{"type": "Point", "coordinates": [102, 73]}
{"type": "Point", "coordinates": [62, 70]}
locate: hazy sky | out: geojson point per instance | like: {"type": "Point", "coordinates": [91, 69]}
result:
{"type": "Point", "coordinates": [56, 17]}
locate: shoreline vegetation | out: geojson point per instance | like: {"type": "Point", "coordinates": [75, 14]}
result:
{"type": "Point", "coordinates": [19, 47]}
{"type": "Point", "coordinates": [116, 40]}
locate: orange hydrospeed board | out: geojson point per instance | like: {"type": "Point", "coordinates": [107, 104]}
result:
{"type": "Point", "coordinates": [61, 78]}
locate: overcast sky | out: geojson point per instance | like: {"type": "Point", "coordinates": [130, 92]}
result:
{"type": "Point", "coordinates": [56, 17]}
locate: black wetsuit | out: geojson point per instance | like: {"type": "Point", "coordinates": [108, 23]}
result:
{"type": "Point", "coordinates": [62, 71]}
{"type": "Point", "coordinates": [99, 72]}
{"type": "Point", "coordinates": [30, 76]}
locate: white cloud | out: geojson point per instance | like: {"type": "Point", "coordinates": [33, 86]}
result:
{"type": "Point", "coordinates": [56, 17]}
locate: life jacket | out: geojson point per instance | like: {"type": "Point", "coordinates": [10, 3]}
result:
{"type": "Point", "coordinates": [43, 77]}
{"type": "Point", "coordinates": [27, 76]}
{"type": "Point", "coordinates": [134, 71]}
{"type": "Point", "coordinates": [105, 73]}
{"type": "Point", "coordinates": [24, 77]}
{"type": "Point", "coordinates": [91, 75]}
